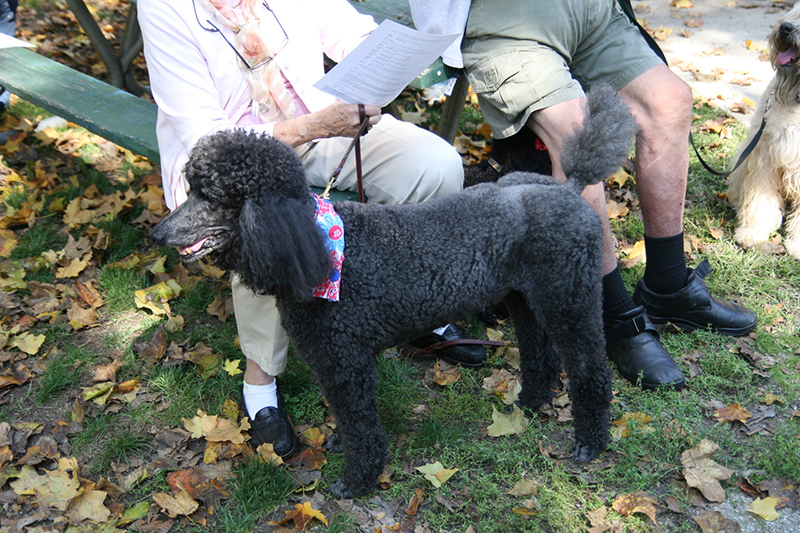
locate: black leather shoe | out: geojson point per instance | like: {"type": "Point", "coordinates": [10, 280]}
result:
{"type": "Point", "coordinates": [471, 355]}
{"type": "Point", "coordinates": [272, 425]}
{"type": "Point", "coordinates": [632, 343]}
{"type": "Point", "coordinates": [692, 307]}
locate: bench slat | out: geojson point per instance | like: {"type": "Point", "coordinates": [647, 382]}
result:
{"type": "Point", "coordinates": [102, 109]}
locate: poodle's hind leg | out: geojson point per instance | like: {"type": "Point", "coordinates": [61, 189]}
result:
{"type": "Point", "coordinates": [571, 316]}
{"type": "Point", "coordinates": [539, 363]}
{"type": "Point", "coordinates": [350, 392]}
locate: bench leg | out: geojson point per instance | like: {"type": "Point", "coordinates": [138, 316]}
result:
{"type": "Point", "coordinates": [453, 106]}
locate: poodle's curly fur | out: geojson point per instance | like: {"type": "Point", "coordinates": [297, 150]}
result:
{"type": "Point", "coordinates": [527, 240]}
{"type": "Point", "coordinates": [765, 189]}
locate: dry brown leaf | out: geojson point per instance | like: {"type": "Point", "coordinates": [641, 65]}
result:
{"type": "Point", "coordinates": [179, 505]}
{"type": "Point", "coordinates": [416, 500]}
{"type": "Point", "coordinates": [704, 474]}
{"type": "Point", "coordinates": [635, 502]}
{"type": "Point", "coordinates": [732, 413]}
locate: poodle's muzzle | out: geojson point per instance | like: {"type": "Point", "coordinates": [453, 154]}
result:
{"type": "Point", "coordinates": [194, 229]}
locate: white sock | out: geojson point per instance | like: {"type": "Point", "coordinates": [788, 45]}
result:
{"type": "Point", "coordinates": [257, 397]}
{"type": "Point", "coordinates": [440, 330]}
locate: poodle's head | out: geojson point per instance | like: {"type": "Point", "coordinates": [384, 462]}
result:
{"type": "Point", "coordinates": [784, 52]}
{"type": "Point", "coordinates": [251, 210]}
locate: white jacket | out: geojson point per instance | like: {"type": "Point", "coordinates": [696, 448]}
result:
{"type": "Point", "coordinates": [197, 82]}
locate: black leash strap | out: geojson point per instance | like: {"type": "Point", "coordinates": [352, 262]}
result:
{"type": "Point", "coordinates": [362, 117]}
{"type": "Point", "coordinates": [628, 10]}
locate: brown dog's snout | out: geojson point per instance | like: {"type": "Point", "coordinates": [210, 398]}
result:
{"type": "Point", "coordinates": [786, 29]}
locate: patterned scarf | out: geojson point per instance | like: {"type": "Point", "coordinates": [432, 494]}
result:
{"type": "Point", "coordinates": [259, 37]}
{"type": "Point", "coordinates": [331, 224]}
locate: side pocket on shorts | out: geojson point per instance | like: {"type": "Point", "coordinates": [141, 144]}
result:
{"type": "Point", "coordinates": [488, 74]}
{"type": "Point", "coordinates": [500, 81]}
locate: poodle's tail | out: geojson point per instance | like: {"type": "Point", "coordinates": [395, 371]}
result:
{"type": "Point", "coordinates": [599, 148]}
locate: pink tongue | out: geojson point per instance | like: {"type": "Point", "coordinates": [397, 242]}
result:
{"type": "Point", "coordinates": [786, 57]}
{"type": "Point", "coordinates": [193, 248]}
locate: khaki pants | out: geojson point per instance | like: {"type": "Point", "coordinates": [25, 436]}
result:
{"type": "Point", "coordinates": [401, 163]}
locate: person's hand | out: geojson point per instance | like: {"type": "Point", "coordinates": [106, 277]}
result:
{"type": "Point", "coordinates": [336, 120]}
{"type": "Point", "coordinates": [341, 120]}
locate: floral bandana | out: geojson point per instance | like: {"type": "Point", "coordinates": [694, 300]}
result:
{"type": "Point", "coordinates": [331, 224]}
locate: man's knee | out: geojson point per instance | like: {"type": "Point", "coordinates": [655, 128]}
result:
{"type": "Point", "coordinates": [659, 97]}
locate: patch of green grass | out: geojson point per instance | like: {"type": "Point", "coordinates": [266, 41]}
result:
{"type": "Point", "coordinates": [192, 304]}
{"type": "Point", "coordinates": [15, 196]}
{"type": "Point", "coordinates": [256, 489]}
{"type": "Point", "coordinates": [184, 391]}
{"type": "Point", "coordinates": [397, 392]}
{"type": "Point", "coordinates": [39, 239]}
{"type": "Point", "coordinates": [117, 286]}
{"type": "Point", "coordinates": [121, 448]}
{"type": "Point", "coordinates": [125, 238]}
{"type": "Point", "coordinates": [63, 372]}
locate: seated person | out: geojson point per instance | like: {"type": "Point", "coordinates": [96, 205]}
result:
{"type": "Point", "coordinates": [222, 64]}
{"type": "Point", "coordinates": [529, 63]}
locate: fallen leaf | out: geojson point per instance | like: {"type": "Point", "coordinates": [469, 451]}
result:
{"type": "Point", "coordinates": [715, 522]}
{"type": "Point", "coordinates": [732, 413]}
{"type": "Point", "coordinates": [416, 500]}
{"type": "Point", "coordinates": [232, 367]}
{"type": "Point", "coordinates": [765, 508]}
{"type": "Point", "coordinates": [704, 474]}
{"type": "Point", "coordinates": [635, 502]}
{"type": "Point", "coordinates": [436, 473]}
{"type": "Point", "coordinates": [507, 424]}
{"type": "Point", "coordinates": [302, 515]}
{"type": "Point", "coordinates": [179, 505]}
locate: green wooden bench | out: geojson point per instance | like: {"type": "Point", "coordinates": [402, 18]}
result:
{"type": "Point", "coordinates": [129, 121]}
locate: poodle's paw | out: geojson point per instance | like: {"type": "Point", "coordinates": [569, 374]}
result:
{"type": "Point", "coordinates": [584, 453]}
{"type": "Point", "coordinates": [334, 444]}
{"type": "Point", "coordinates": [340, 490]}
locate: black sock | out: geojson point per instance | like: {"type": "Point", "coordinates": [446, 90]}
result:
{"type": "Point", "coordinates": [616, 299]}
{"type": "Point", "coordinates": [665, 272]}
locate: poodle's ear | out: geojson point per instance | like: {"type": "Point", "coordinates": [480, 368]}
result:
{"type": "Point", "coordinates": [282, 251]}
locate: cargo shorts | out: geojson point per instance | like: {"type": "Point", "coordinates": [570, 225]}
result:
{"type": "Point", "coordinates": [524, 55]}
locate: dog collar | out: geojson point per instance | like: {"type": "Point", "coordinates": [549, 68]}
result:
{"type": "Point", "coordinates": [332, 227]}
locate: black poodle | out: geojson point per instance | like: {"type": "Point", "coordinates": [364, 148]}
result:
{"type": "Point", "coordinates": [527, 240]}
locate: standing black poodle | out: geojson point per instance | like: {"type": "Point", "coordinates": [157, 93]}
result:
{"type": "Point", "coordinates": [527, 240]}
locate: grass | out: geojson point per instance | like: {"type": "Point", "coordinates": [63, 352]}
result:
{"type": "Point", "coordinates": [424, 422]}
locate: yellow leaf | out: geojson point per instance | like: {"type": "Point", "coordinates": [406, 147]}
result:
{"type": "Point", "coordinates": [232, 367]}
{"type": "Point", "coordinates": [200, 425]}
{"type": "Point", "coordinates": [88, 506]}
{"type": "Point", "coordinates": [445, 377]}
{"type": "Point", "coordinates": [619, 178]}
{"type": "Point", "coordinates": [616, 209]}
{"type": "Point", "coordinates": [620, 428]}
{"type": "Point", "coordinates": [765, 508]}
{"type": "Point", "coordinates": [155, 298]}
{"type": "Point", "coordinates": [436, 473]}
{"type": "Point", "coordinates": [636, 502]}
{"type": "Point", "coordinates": [174, 506]}
{"type": "Point", "coordinates": [28, 343]}
{"type": "Point", "coordinates": [510, 424]}
{"type": "Point", "coordinates": [525, 487]}
{"type": "Point", "coordinates": [8, 242]}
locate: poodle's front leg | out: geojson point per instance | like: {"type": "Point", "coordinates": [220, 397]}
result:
{"type": "Point", "coordinates": [350, 391]}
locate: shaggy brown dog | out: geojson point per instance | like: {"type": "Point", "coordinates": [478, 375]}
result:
{"type": "Point", "coordinates": [766, 187]}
